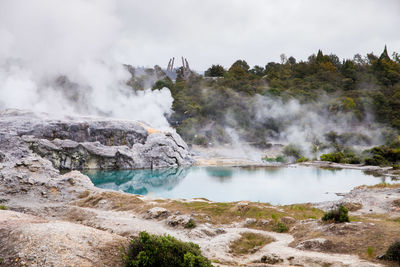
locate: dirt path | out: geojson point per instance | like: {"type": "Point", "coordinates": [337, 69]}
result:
{"type": "Point", "coordinates": [214, 241]}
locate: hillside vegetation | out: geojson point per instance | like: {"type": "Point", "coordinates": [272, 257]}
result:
{"type": "Point", "coordinates": [322, 105]}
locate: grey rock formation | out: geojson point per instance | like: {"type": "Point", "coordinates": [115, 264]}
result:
{"type": "Point", "coordinates": [88, 143]}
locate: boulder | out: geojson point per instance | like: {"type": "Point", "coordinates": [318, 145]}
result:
{"type": "Point", "coordinates": [76, 143]}
{"type": "Point", "coordinates": [157, 213]}
{"type": "Point", "coordinates": [316, 244]}
{"type": "Point", "coordinates": [288, 220]}
{"type": "Point", "coordinates": [271, 259]}
{"type": "Point", "coordinates": [179, 220]}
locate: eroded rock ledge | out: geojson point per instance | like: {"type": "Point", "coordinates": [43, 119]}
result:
{"type": "Point", "coordinates": [89, 143]}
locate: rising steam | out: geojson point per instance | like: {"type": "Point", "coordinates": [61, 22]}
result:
{"type": "Point", "coordinates": [57, 57]}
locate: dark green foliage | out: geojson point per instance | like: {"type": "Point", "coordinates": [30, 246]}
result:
{"type": "Point", "coordinates": [215, 71]}
{"type": "Point", "coordinates": [166, 82]}
{"type": "Point", "coordinates": [332, 157]}
{"type": "Point", "coordinates": [280, 227]}
{"type": "Point", "coordinates": [338, 215]}
{"type": "Point", "coordinates": [343, 155]}
{"type": "Point", "coordinates": [303, 159]}
{"type": "Point", "coordinates": [355, 87]}
{"type": "Point", "coordinates": [200, 140]}
{"type": "Point", "coordinates": [292, 151]}
{"type": "Point", "coordinates": [279, 158]}
{"type": "Point", "coordinates": [191, 224]}
{"type": "Point", "coordinates": [163, 251]}
{"type": "Point", "coordinates": [383, 155]}
{"type": "Point", "coordinates": [3, 207]}
{"type": "Point", "coordinates": [393, 252]}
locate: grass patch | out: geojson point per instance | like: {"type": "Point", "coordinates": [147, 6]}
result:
{"type": "Point", "coordinates": [84, 194]}
{"type": "Point", "coordinates": [226, 213]}
{"type": "Point", "coordinates": [380, 185]}
{"type": "Point", "coordinates": [370, 252]}
{"type": "Point", "coordinates": [249, 243]}
{"type": "Point", "coordinates": [191, 224]}
{"type": "Point", "coordinates": [3, 207]}
{"type": "Point", "coordinates": [280, 227]}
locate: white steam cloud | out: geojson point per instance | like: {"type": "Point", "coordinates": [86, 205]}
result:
{"type": "Point", "coordinates": [58, 57]}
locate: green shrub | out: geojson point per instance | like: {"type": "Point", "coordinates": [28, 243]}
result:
{"type": "Point", "coordinates": [332, 157]}
{"type": "Point", "coordinates": [3, 207]}
{"type": "Point", "coordinates": [370, 252]}
{"type": "Point", "coordinates": [303, 159]}
{"type": "Point", "coordinates": [200, 140]}
{"type": "Point", "coordinates": [337, 215]}
{"type": "Point", "coordinates": [279, 158]}
{"type": "Point", "coordinates": [292, 151]}
{"type": "Point", "coordinates": [280, 227]}
{"type": "Point", "coordinates": [345, 156]}
{"type": "Point", "coordinates": [163, 251]}
{"type": "Point", "coordinates": [191, 224]}
{"type": "Point", "coordinates": [393, 252]}
{"type": "Point", "coordinates": [376, 160]}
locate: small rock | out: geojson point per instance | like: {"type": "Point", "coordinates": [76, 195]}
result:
{"type": "Point", "coordinates": [255, 249]}
{"type": "Point", "coordinates": [220, 231]}
{"type": "Point", "coordinates": [264, 222]}
{"type": "Point", "coordinates": [288, 220]}
{"type": "Point", "coordinates": [271, 259]}
{"type": "Point", "coordinates": [316, 244]}
{"type": "Point", "coordinates": [242, 206]}
{"type": "Point", "coordinates": [156, 213]}
{"type": "Point", "coordinates": [249, 221]}
{"type": "Point", "coordinates": [178, 220]}
{"type": "Point", "coordinates": [103, 202]}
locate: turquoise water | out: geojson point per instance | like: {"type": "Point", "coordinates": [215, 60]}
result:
{"type": "Point", "coordinates": [285, 185]}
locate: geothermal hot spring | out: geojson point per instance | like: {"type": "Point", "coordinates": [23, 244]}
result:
{"type": "Point", "coordinates": [286, 185]}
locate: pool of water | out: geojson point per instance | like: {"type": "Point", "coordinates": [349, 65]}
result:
{"type": "Point", "coordinates": [285, 185]}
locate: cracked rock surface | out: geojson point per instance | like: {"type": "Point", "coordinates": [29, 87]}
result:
{"type": "Point", "coordinates": [74, 143]}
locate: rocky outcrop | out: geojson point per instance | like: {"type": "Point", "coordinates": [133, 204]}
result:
{"type": "Point", "coordinates": [89, 143]}
{"type": "Point", "coordinates": [33, 241]}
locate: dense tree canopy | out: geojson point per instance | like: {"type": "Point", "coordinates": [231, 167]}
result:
{"type": "Point", "coordinates": [359, 87]}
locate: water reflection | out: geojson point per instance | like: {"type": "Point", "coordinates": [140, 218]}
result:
{"type": "Point", "coordinates": [222, 174]}
{"type": "Point", "coordinates": [138, 181]}
{"type": "Point", "coordinates": [286, 185]}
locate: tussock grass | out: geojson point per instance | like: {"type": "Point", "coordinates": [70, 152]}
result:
{"type": "Point", "coordinates": [249, 243]}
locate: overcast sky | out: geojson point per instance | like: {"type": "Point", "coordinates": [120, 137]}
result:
{"type": "Point", "coordinates": [220, 31]}
{"type": "Point", "coordinates": [149, 32]}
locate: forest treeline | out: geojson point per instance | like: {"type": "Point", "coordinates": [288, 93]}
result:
{"type": "Point", "coordinates": [363, 90]}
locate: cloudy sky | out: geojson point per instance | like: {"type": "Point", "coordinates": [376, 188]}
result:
{"type": "Point", "coordinates": [220, 31]}
{"type": "Point", "coordinates": [207, 32]}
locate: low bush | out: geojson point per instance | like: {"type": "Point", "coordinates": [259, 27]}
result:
{"type": "Point", "coordinates": [302, 159]}
{"type": "Point", "coordinates": [337, 215]}
{"type": "Point", "coordinates": [332, 157]}
{"type": "Point", "coordinates": [280, 159]}
{"type": "Point", "coordinates": [280, 227]}
{"type": "Point", "coordinates": [249, 243]}
{"type": "Point", "coordinates": [200, 140]}
{"type": "Point", "coordinates": [383, 155]}
{"type": "Point", "coordinates": [292, 151]}
{"type": "Point", "coordinates": [163, 251]}
{"type": "Point", "coordinates": [345, 156]}
{"type": "Point", "coordinates": [393, 252]}
{"type": "Point", "coordinates": [3, 207]}
{"type": "Point", "coordinates": [191, 224]}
